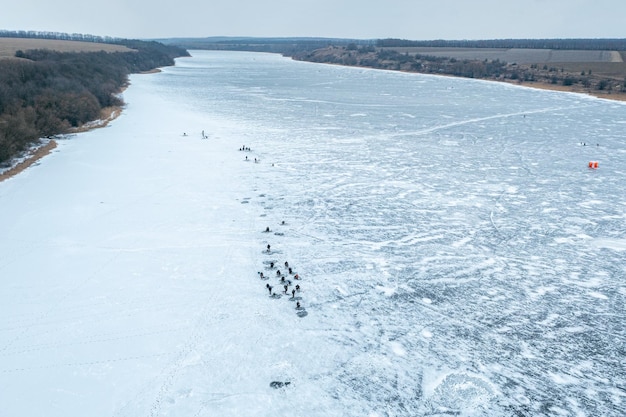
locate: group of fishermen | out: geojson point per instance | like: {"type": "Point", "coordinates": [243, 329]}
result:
{"type": "Point", "coordinates": [246, 148]}
{"type": "Point", "coordinates": [284, 279]}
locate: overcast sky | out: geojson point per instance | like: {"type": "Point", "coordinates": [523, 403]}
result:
{"type": "Point", "coordinates": [361, 19]}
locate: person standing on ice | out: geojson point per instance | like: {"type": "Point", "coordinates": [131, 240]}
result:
{"type": "Point", "coordinates": [269, 288]}
{"type": "Point", "coordinates": [268, 247]}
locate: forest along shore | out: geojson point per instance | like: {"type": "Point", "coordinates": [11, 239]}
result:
{"type": "Point", "coordinates": [46, 146]}
{"type": "Point", "coordinates": [49, 88]}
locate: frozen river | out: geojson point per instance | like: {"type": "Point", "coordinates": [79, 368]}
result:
{"type": "Point", "coordinates": [457, 256]}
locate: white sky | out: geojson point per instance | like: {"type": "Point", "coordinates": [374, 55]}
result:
{"type": "Point", "coordinates": [407, 19]}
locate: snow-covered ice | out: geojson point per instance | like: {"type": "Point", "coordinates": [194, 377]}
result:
{"type": "Point", "coordinates": [456, 254]}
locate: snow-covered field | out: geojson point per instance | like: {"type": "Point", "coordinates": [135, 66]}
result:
{"type": "Point", "coordinates": [456, 254]}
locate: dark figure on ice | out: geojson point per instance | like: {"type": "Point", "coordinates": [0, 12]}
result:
{"type": "Point", "coordinates": [296, 276]}
{"type": "Point", "coordinates": [290, 271]}
{"type": "Point", "coordinates": [272, 265]}
{"type": "Point", "coordinates": [278, 272]}
{"type": "Point", "coordinates": [282, 279]}
{"type": "Point", "coordinates": [283, 222]}
{"type": "Point", "coordinates": [286, 264]}
{"type": "Point", "coordinates": [267, 229]}
{"type": "Point", "coordinates": [298, 307]}
{"type": "Point", "coordinates": [269, 288]}
{"type": "Point", "coordinates": [286, 288]}
{"type": "Point", "coordinates": [293, 293]}
{"type": "Point", "coordinates": [261, 274]}
{"type": "Point", "coordinates": [297, 287]}
{"type": "Point", "coordinates": [268, 247]}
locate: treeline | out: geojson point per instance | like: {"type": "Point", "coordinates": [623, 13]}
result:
{"type": "Point", "coordinates": [46, 92]}
{"type": "Point", "coordinates": [31, 34]}
{"type": "Point", "coordinates": [566, 44]}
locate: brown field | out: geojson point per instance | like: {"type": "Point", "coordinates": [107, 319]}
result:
{"type": "Point", "coordinates": [517, 55]}
{"type": "Point", "coordinates": [8, 46]}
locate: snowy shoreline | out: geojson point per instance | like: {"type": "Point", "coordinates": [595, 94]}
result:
{"type": "Point", "coordinates": [46, 145]}
{"type": "Point", "coordinates": [28, 158]}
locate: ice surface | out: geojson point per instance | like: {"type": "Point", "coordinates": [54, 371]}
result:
{"type": "Point", "coordinates": [456, 255]}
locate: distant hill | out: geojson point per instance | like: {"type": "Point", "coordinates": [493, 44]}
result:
{"type": "Point", "coordinates": [270, 44]}
{"type": "Point", "coordinates": [285, 46]}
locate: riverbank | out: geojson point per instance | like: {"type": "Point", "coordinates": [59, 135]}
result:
{"type": "Point", "coordinates": [618, 96]}
{"type": "Point", "coordinates": [32, 156]}
{"type": "Point", "coordinates": [45, 146]}
{"type": "Point", "coordinates": [601, 94]}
